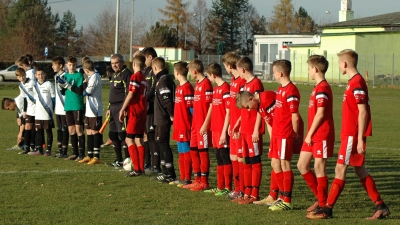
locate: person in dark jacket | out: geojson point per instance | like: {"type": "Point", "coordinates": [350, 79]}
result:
{"type": "Point", "coordinates": [163, 117]}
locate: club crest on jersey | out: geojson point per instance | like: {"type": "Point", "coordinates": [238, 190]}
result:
{"type": "Point", "coordinates": [348, 87]}
{"type": "Point", "coordinates": [283, 94]}
{"type": "Point", "coordinates": [313, 93]}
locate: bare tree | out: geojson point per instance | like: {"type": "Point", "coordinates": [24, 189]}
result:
{"type": "Point", "coordinates": [253, 24]}
{"type": "Point", "coordinates": [99, 36]}
{"type": "Point", "coordinates": [196, 26]}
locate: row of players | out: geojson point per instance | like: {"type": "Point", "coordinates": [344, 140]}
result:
{"type": "Point", "coordinates": [236, 129]}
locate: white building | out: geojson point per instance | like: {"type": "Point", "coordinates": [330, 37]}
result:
{"type": "Point", "coordinates": [268, 48]}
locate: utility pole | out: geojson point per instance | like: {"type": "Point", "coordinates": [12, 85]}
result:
{"type": "Point", "coordinates": [116, 28]}
{"type": "Point", "coordinates": [131, 43]}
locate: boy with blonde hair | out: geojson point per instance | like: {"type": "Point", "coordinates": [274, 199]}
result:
{"type": "Point", "coordinates": [356, 126]}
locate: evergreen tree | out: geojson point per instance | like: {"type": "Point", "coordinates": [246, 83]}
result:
{"type": "Point", "coordinates": [69, 37]}
{"type": "Point", "coordinates": [160, 35]}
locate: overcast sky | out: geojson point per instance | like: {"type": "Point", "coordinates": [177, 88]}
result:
{"type": "Point", "coordinates": [85, 10]}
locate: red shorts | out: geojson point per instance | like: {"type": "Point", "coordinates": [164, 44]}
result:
{"type": "Point", "coordinates": [236, 146]}
{"type": "Point", "coordinates": [320, 149]}
{"type": "Point", "coordinates": [250, 148]}
{"type": "Point", "coordinates": [200, 141]}
{"type": "Point", "coordinates": [215, 140]}
{"type": "Point", "coordinates": [348, 154]}
{"type": "Point", "coordinates": [136, 125]}
{"type": "Point", "coordinates": [281, 148]}
{"type": "Point", "coordinates": [181, 135]}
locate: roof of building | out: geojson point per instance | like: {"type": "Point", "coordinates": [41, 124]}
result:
{"type": "Point", "coordinates": [384, 20]}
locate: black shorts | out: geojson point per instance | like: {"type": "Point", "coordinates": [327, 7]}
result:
{"type": "Point", "coordinates": [115, 124]}
{"type": "Point", "coordinates": [29, 119]}
{"type": "Point", "coordinates": [93, 123]}
{"type": "Point", "coordinates": [75, 117]}
{"type": "Point", "coordinates": [21, 121]}
{"type": "Point", "coordinates": [133, 136]}
{"type": "Point", "coordinates": [61, 121]}
{"type": "Point", "coordinates": [44, 124]}
{"type": "Point", "coordinates": [162, 133]}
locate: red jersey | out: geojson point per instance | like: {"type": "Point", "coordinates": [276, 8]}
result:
{"type": "Point", "coordinates": [138, 105]}
{"type": "Point", "coordinates": [267, 105]}
{"type": "Point", "coordinates": [249, 116]}
{"type": "Point", "coordinates": [220, 102]}
{"type": "Point", "coordinates": [202, 99]}
{"type": "Point", "coordinates": [321, 96]}
{"type": "Point", "coordinates": [183, 102]}
{"type": "Point", "coordinates": [287, 102]}
{"type": "Point", "coordinates": [356, 93]}
{"type": "Point", "coordinates": [236, 86]}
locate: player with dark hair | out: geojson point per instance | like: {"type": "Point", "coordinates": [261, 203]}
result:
{"type": "Point", "coordinates": [219, 112]}
{"type": "Point", "coordinates": [356, 127]}
{"type": "Point", "coordinates": [18, 105]}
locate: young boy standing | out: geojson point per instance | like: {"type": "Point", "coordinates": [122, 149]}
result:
{"type": "Point", "coordinates": [285, 132]}
{"type": "Point", "coordinates": [93, 112]}
{"type": "Point", "coordinates": [320, 137]}
{"type": "Point", "coordinates": [136, 106]}
{"type": "Point", "coordinates": [163, 117]}
{"type": "Point", "coordinates": [219, 111]}
{"type": "Point", "coordinates": [356, 126]}
{"type": "Point", "coordinates": [58, 64]}
{"type": "Point", "coordinates": [72, 83]}
{"type": "Point", "coordinates": [251, 130]}
{"type": "Point", "coordinates": [45, 97]}
{"type": "Point", "coordinates": [229, 60]}
{"type": "Point", "coordinates": [26, 91]}
{"type": "Point", "coordinates": [199, 138]}
{"type": "Point", "coordinates": [182, 110]}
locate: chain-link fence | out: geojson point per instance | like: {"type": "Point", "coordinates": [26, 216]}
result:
{"type": "Point", "coordinates": [377, 69]}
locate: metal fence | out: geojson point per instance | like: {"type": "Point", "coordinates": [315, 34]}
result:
{"type": "Point", "coordinates": [377, 69]}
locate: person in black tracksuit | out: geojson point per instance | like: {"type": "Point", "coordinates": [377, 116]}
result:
{"type": "Point", "coordinates": [163, 117]}
{"type": "Point", "coordinates": [152, 153]}
{"type": "Point", "coordinates": [119, 85]}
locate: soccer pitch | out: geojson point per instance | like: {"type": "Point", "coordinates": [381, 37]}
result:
{"type": "Point", "coordinates": [44, 190]}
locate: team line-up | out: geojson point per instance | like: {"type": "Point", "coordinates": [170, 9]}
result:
{"type": "Point", "coordinates": [231, 118]}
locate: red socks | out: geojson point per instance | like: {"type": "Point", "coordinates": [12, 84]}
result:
{"type": "Point", "coordinates": [256, 174]}
{"type": "Point", "coordinates": [247, 178]}
{"type": "Point", "coordinates": [241, 176]}
{"type": "Point", "coordinates": [228, 176]}
{"type": "Point", "coordinates": [288, 180]}
{"type": "Point", "coordinates": [133, 153]}
{"type": "Point", "coordinates": [141, 157]}
{"type": "Point", "coordinates": [279, 180]}
{"type": "Point", "coordinates": [220, 177]}
{"type": "Point", "coordinates": [194, 154]}
{"type": "Point", "coordinates": [187, 166]}
{"type": "Point", "coordinates": [204, 165]}
{"type": "Point", "coordinates": [336, 188]}
{"type": "Point", "coordinates": [369, 185]}
{"type": "Point", "coordinates": [235, 172]}
{"type": "Point", "coordinates": [322, 190]}
{"type": "Point", "coordinates": [181, 162]}
{"type": "Point", "coordinates": [311, 181]}
{"type": "Point", "coordinates": [273, 186]}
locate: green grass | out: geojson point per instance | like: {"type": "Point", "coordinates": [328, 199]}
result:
{"type": "Point", "coordinates": [41, 190]}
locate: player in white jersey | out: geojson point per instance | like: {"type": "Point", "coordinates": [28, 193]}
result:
{"type": "Point", "coordinates": [58, 64]}
{"type": "Point", "coordinates": [23, 62]}
{"type": "Point", "coordinates": [18, 105]}
{"type": "Point", "coordinates": [45, 97]}
{"type": "Point", "coordinates": [26, 91]}
{"type": "Point", "coordinates": [93, 112]}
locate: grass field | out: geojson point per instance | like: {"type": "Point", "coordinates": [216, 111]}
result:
{"type": "Point", "coordinates": [42, 190]}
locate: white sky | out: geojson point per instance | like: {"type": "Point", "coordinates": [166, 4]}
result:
{"type": "Point", "coordinates": [85, 10]}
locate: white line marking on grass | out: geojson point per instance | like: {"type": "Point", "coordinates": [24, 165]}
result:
{"type": "Point", "coordinates": [56, 171]}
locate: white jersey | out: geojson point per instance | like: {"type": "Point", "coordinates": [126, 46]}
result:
{"type": "Point", "coordinates": [31, 74]}
{"type": "Point", "coordinates": [44, 99]}
{"type": "Point", "coordinates": [19, 101]}
{"type": "Point", "coordinates": [60, 99]}
{"type": "Point", "coordinates": [94, 104]}
{"type": "Point", "coordinates": [29, 95]}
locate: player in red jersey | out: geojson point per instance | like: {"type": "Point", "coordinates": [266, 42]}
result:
{"type": "Point", "coordinates": [182, 110]}
{"type": "Point", "coordinates": [199, 142]}
{"type": "Point", "coordinates": [229, 60]}
{"type": "Point", "coordinates": [285, 132]}
{"type": "Point", "coordinates": [219, 111]}
{"type": "Point", "coordinates": [251, 130]}
{"type": "Point", "coordinates": [320, 138]}
{"type": "Point", "coordinates": [356, 126]}
{"type": "Point", "coordinates": [264, 102]}
{"type": "Point", "coordinates": [135, 106]}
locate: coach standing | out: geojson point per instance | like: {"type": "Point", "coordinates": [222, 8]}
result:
{"type": "Point", "coordinates": [119, 85]}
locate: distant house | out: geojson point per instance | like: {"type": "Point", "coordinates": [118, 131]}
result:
{"type": "Point", "coordinates": [375, 38]}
